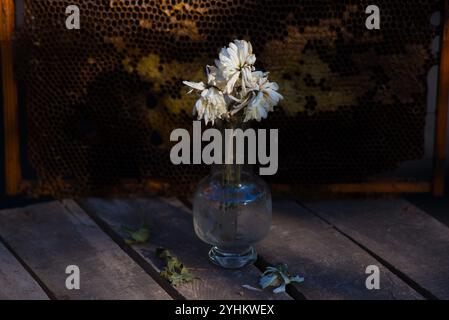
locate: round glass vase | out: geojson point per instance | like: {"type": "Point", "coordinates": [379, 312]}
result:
{"type": "Point", "coordinates": [232, 214]}
{"type": "Point", "coordinates": [232, 210]}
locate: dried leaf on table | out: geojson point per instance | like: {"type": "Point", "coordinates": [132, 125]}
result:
{"type": "Point", "coordinates": [174, 271]}
{"type": "Point", "coordinates": [278, 277]}
{"type": "Point", "coordinates": [139, 236]}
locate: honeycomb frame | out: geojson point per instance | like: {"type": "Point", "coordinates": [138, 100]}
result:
{"type": "Point", "coordinates": [88, 148]}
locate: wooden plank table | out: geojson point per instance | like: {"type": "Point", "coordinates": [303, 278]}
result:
{"type": "Point", "coordinates": [330, 243]}
{"type": "Point", "coordinates": [333, 265]}
{"type": "Point", "coordinates": [171, 228]}
{"type": "Point", "coordinates": [400, 234]}
{"type": "Point", "coordinates": [15, 281]}
{"type": "Point", "coordinates": [48, 238]}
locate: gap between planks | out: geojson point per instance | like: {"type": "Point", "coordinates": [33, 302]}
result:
{"type": "Point", "coordinates": [172, 228]}
{"type": "Point", "coordinates": [297, 244]}
{"type": "Point", "coordinates": [412, 244]}
{"type": "Point", "coordinates": [18, 282]}
{"type": "Point", "coordinates": [260, 264]}
{"type": "Point", "coordinates": [425, 293]}
{"type": "Point", "coordinates": [48, 237]}
{"type": "Point", "coordinates": [334, 267]}
{"type": "Point", "coordinates": [149, 268]}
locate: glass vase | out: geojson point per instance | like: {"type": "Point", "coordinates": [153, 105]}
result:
{"type": "Point", "coordinates": [232, 211]}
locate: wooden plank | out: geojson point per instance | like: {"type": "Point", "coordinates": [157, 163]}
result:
{"type": "Point", "coordinates": [171, 227]}
{"type": "Point", "coordinates": [398, 232]}
{"type": "Point", "coordinates": [48, 238]}
{"type": "Point", "coordinates": [381, 187]}
{"type": "Point", "coordinates": [15, 282]}
{"type": "Point", "coordinates": [333, 266]}
{"type": "Point", "coordinates": [13, 173]}
{"type": "Point", "coordinates": [7, 20]}
{"type": "Point", "coordinates": [442, 108]}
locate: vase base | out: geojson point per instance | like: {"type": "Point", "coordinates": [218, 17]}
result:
{"type": "Point", "coordinates": [232, 260]}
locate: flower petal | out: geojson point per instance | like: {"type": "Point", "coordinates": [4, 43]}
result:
{"type": "Point", "coordinates": [195, 85]}
{"type": "Point", "coordinates": [231, 82]}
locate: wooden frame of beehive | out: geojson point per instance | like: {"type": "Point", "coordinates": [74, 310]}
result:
{"type": "Point", "coordinates": [16, 185]}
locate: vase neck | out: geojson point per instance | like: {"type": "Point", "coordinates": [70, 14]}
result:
{"type": "Point", "coordinates": [232, 172]}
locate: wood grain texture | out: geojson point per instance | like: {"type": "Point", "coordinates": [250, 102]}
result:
{"type": "Point", "coordinates": [7, 20]}
{"type": "Point", "coordinates": [333, 266]}
{"type": "Point", "coordinates": [15, 282]}
{"type": "Point", "coordinates": [171, 227]}
{"type": "Point", "coordinates": [48, 238]}
{"type": "Point", "coordinates": [12, 171]}
{"type": "Point", "coordinates": [398, 232]}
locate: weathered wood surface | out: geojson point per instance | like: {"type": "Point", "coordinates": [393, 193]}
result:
{"type": "Point", "coordinates": [333, 266]}
{"type": "Point", "coordinates": [15, 282]}
{"type": "Point", "coordinates": [48, 238]}
{"type": "Point", "coordinates": [171, 227]}
{"type": "Point", "coordinates": [398, 232]}
{"type": "Point", "coordinates": [13, 174]}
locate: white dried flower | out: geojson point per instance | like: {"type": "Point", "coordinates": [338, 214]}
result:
{"type": "Point", "coordinates": [237, 63]}
{"type": "Point", "coordinates": [257, 109]}
{"type": "Point", "coordinates": [215, 78]}
{"type": "Point", "coordinates": [211, 105]}
{"type": "Point", "coordinates": [199, 86]}
{"type": "Point", "coordinates": [270, 92]}
{"type": "Point", "coordinates": [234, 85]}
{"type": "Point", "coordinates": [265, 97]}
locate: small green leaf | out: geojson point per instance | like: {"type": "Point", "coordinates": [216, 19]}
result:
{"type": "Point", "coordinates": [174, 271]}
{"type": "Point", "coordinates": [139, 236]}
{"type": "Point", "coordinates": [129, 242]}
{"type": "Point", "coordinates": [174, 265]}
